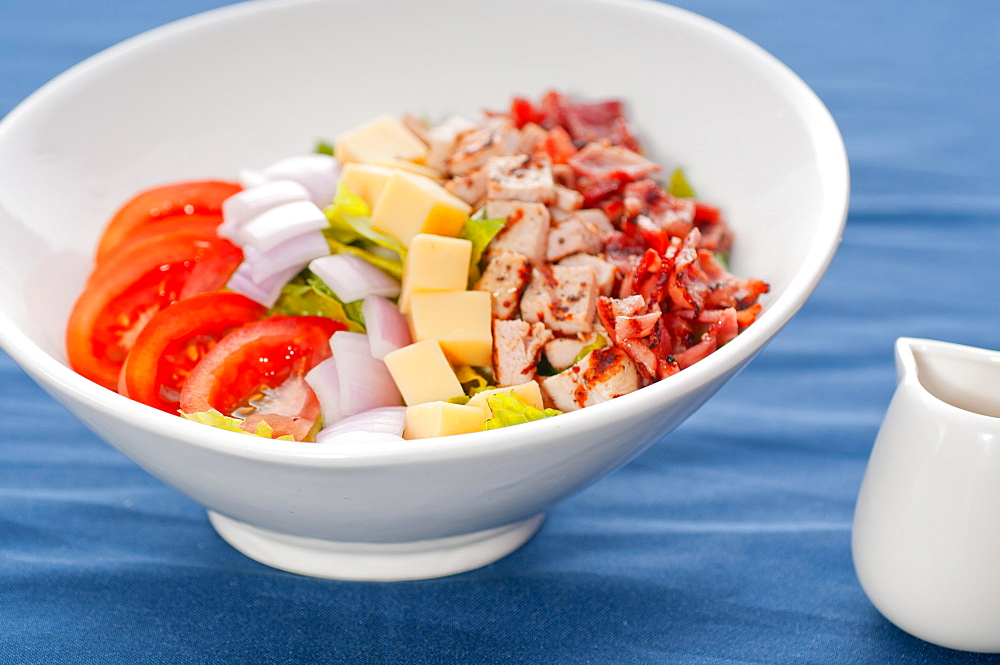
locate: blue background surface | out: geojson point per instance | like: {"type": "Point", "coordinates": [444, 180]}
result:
{"type": "Point", "coordinates": [728, 542]}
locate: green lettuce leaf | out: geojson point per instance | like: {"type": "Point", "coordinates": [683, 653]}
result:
{"type": "Point", "coordinates": [480, 232]}
{"type": "Point", "coordinates": [214, 418]}
{"type": "Point", "coordinates": [472, 380]}
{"type": "Point", "coordinates": [508, 410]}
{"type": "Point", "coordinates": [307, 295]}
{"type": "Point", "coordinates": [323, 148]}
{"type": "Point", "coordinates": [391, 266]}
{"type": "Point", "coordinates": [679, 186]}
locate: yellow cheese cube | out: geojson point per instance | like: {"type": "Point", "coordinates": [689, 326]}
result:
{"type": "Point", "coordinates": [529, 393]}
{"type": "Point", "coordinates": [422, 373]}
{"type": "Point", "coordinates": [410, 204]}
{"type": "Point", "coordinates": [412, 167]}
{"type": "Point", "coordinates": [365, 180]}
{"type": "Point", "coordinates": [459, 320]}
{"type": "Point", "coordinates": [434, 263]}
{"type": "Point", "coordinates": [383, 138]}
{"type": "Point", "coordinates": [441, 419]}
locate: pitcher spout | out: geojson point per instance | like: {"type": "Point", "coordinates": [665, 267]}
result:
{"type": "Point", "coordinates": [959, 377]}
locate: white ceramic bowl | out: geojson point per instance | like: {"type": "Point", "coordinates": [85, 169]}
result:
{"type": "Point", "coordinates": [246, 85]}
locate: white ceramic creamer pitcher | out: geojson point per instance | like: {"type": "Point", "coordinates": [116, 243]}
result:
{"type": "Point", "coordinates": [926, 538]}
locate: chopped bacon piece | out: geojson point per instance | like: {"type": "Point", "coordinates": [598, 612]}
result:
{"type": "Point", "coordinates": [687, 289]}
{"type": "Point", "coordinates": [676, 333]}
{"type": "Point", "coordinates": [559, 146]}
{"type": "Point", "coordinates": [699, 351]}
{"type": "Point", "coordinates": [599, 162]}
{"type": "Point", "coordinates": [588, 122]}
{"type": "Point", "coordinates": [628, 323]}
{"type": "Point", "coordinates": [673, 215]}
{"type": "Point", "coordinates": [715, 237]}
{"type": "Point", "coordinates": [593, 121]}
{"type": "Point", "coordinates": [724, 325]}
{"type": "Point", "coordinates": [622, 251]}
{"type": "Point", "coordinates": [746, 317]}
{"type": "Point", "coordinates": [728, 290]}
{"type": "Point", "coordinates": [523, 112]}
{"type": "Point", "coordinates": [648, 278]}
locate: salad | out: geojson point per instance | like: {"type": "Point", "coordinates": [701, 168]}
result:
{"type": "Point", "coordinates": [413, 280]}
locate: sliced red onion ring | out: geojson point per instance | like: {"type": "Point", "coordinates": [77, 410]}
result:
{"type": "Point", "coordinates": [265, 292]}
{"type": "Point", "coordinates": [387, 328]}
{"type": "Point", "coordinates": [316, 172]}
{"type": "Point", "coordinates": [322, 378]}
{"type": "Point", "coordinates": [364, 381]}
{"type": "Point", "coordinates": [383, 423]}
{"type": "Point", "coordinates": [276, 225]}
{"type": "Point", "coordinates": [351, 381]}
{"type": "Point", "coordinates": [352, 278]}
{"type": "Point", "coordinates": [243, 206]}
{"type": "Point", "coordinates": [295, 253]}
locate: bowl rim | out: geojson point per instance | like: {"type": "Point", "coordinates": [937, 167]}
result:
{"type": "Point", "coordinates": [65, 385]}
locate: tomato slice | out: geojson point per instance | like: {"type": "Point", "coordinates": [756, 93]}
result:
{"type": "Point", "coordinates": [173, 201]}
{"type": "Point", "coordinates": [257, 373]}
{"type": "Point", "coordinates": [205, 225]}
{"type": "Point", "coordinates": [175, 339]}
{"type": "Point", "coordinates": [127, 289]}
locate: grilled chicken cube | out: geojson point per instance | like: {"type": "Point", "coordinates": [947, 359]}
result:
{"type": "Point", "coordinates": [520, 178]}
{"type": "Point", "coordinates": [562, 352]}
{"type": "Point", "coordinates": [571, 236]}
{"type": "Point", "coordinates": [505, 277]}
{"type": "Point", "coordinates": [496, 138]}
{"type": "Point", "coordinates": [526, 231]}
{"type": "Point", "coordinates": [441, 140]}
{"type": "Point", "coordinates": [470, 187]}
{"type": "Point", "coordinates": [604, 271]}
{"type": "Point", "coordinates": [599, 376]}
{"type": "Point", "coordinates": [564, 298]}
{"type": "Point", "coordinates": [532, 136]}
{"type": "Point", "coordinates": [564, 176]}
{"type": "Point", "coordinates": [566, 198]}
{"type": "Point", "coordinates": [517, 348]}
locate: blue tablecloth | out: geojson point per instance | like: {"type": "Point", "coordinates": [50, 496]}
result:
{"type": "Point", "coordinates": [728, 542]}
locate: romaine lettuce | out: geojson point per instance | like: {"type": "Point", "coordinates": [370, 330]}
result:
{"type": "Point", "coordinates": [307, 295]}
{"type": "Point", "coordinates": [480, 232]}
{"type": "Point", "coordinates": [679, 186]}
{"type": "Point", "coordinates": [509, 410]}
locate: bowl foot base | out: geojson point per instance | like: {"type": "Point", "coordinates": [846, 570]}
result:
{"type": "Point", "coordinates": [376, 562]}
